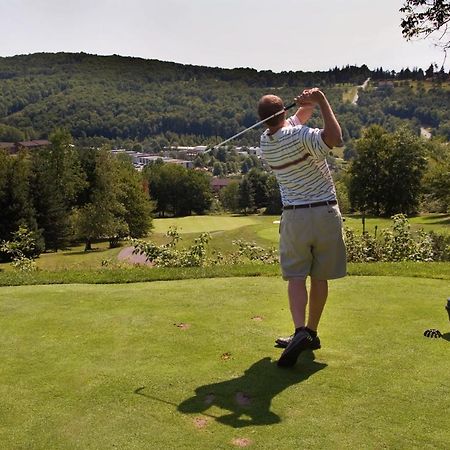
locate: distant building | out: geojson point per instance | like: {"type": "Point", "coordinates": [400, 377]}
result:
{"type": "Point", "coordinates": [14, 147]}
{"type": "Point", "coordinates": [140, 160]}
{"type": "Point", "coordinates": [256, 151]}
{"type": "Point", "coordinates": [186, 152]}
{"type": "Point", "coordinates": [8, 146]}
{"type": "Point", "coordinates": [218, 184]}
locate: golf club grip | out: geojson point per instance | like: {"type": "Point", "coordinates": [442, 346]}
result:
{"type": "Point", "coordinates": [290, 106]}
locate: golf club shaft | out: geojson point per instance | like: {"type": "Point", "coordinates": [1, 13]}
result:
{"type": "Point", "coordinates": [253, 126]}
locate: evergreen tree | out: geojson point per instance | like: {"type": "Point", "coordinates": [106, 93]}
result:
{"type": "Point", "coordinates": [57, 180]}
{"type": "Point", "coordinates": [258, 181]}
{"type": "Point", "coordinates": [274, 205]}
{"type": "Point", "coordinates": [246, 196]}
{"type": "Point", "coordinates": [15, 199]}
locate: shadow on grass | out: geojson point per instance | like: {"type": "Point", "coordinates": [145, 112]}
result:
{"type": "Point", "coordinates": [249, 397]}
{"type": "Point", "coordinates": [446, 336]}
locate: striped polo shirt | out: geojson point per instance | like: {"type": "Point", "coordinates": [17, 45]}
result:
{"type": "Point", "coordinates": [296, 154]}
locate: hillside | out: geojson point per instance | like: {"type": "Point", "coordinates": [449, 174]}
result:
{"type": "Point", "coordinates": [130, 100]}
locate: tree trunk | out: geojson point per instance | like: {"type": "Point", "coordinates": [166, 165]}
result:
{"type": "Point", "coordinates": [88, 245]}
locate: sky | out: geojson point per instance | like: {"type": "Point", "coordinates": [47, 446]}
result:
{"type": "Point", "coordinates": [277, 35]}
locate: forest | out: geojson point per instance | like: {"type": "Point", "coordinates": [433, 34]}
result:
{"type": "Point", "coordinates": [122, 101]}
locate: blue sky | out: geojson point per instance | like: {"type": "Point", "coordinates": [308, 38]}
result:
{"type": "Point", "coordinates": [294, 35]}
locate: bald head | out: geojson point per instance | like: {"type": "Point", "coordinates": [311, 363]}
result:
{"type": "Point", "coordinates": [269, 105]}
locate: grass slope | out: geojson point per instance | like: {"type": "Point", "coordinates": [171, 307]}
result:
{"type": "Point", "coordinates": [224, 229]}
{"type": "Point", "coordinates": [96, 367]}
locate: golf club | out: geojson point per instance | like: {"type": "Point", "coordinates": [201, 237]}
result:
{"type": "Point", "coordinates": [253, 126]}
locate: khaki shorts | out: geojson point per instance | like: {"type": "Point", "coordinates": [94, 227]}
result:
{"type": "Point", "coordinates": [311, 243]}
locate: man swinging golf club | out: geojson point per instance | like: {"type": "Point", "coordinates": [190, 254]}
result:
{"type": "Point", "coordinates": [311, 241]}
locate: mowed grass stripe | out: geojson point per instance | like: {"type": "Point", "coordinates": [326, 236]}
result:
{"type": "Point", "coordinates": [202, 224]}
{"type": "Point", "coordinates": [93, 367]}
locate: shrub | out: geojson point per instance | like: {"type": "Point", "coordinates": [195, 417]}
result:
{"type": "Point", "coordinates": [396, 244]}
{"type": "Point", "coordinates": [168, 256]}
{"type": "Point", "coordinates": [196, 255]}
{"type": "Point", "coordinates": [441, 246]}
{"type": "Point", "coordinates": [22, 249]}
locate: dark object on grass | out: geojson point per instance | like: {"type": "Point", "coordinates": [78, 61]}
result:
{"type": "Point", "coordinates": [448, 308]}
{"type": "Point", "coordinates": [432, 333]}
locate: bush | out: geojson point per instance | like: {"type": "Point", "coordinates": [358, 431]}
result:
{"type": "Point", "coordinates": [441, 246]}
{"type": "Point", "coordinates": [168, 256]}
{"type": "Point", "coordinates": [23, 249]}
{"type": "Point", "coordinates": [196, 255]}
{"type": "Point", "coordinates": [397, 244]}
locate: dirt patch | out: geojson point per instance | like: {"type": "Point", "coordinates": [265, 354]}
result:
{"type": "Point", "coordinates": [241, 442]}
{"type": "Point", "coordinates": [183, 326]}
{"type": "Point", "coordinates": [226, 356]}
{"type": "Point", "coordinates": [257, 318]}
{"type": "Point", "coordinates": [200, 422]}
{"type": "Point", "coordinates": [242, 399]}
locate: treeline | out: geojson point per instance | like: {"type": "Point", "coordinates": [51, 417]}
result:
{"type": "Point", "coordinates": [65, 194]}
{"type": "Point", "coordinates": [123, 101]}
{"type": "Point", "coordinates": [416, 74]}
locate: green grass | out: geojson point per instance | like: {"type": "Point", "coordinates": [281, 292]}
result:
{"type": "Point", "coordinates": [432, 222]}
{"type": "Point", "coordinates": [129, 274]}
{"type": "Point", "coordinates": [77, 258]}
{"type": "Point", "coordinates": [224, 229]}
{"type": "Point", "coordinates": [97, 367]}
{"type": "Point", "coordinates": [201, 224]}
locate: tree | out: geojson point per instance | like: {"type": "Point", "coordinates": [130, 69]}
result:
{"type": "Point", "coordinates": [274, 205]}
{"type": "Point", "coordinates": [11, 134]}
{"type": "Point", "coordinates": [368, 174]}
{"type": "Point", "coordinates": [423, 18]}
{"type": "Point", "coordinates": [16, 204]}
{"type": "Point", "coordinates": [178, 190]}
{"type": "Point", "coordinates": [405, 166]}
{"type": "Point", "coordinates": [218, 169]}
{"type": "Point", "coordinates": [258, 181]}
{"type": "Point", "coordinates": [103, 214]}
{"type": "Point", "coordinates": [200, 195]}
{"type": "Point", "coordinates": [229, 196]}
{"type": "Point", "coordinates": [57, 181]}
{"type": "Point", "coordinates": [436, 182]}
{"type": "Point", "coordinates": [246, 196]}
{"type": "Point", "coordinates": [386, 176]}
{"type": "Point", "coordinates": [133, 196]}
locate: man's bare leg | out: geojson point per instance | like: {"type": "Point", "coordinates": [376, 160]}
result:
{"type": "Point", "coordinates": [317, 298]}
{"type": "Point", "coordinates": [298, 299]}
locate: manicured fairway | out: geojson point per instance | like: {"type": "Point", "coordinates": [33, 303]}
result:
{"type": "Point", "coordinates": [432, 222]}
{"type": "Point", "coordinates": [201, 224]}
{"type": "Point", "coordinates": [119, 366]}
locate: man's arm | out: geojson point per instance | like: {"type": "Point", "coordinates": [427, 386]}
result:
{"type": "Point", "coordinates": [304, 113]}
{"type": "Point", "coordinates": [331, 133]}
